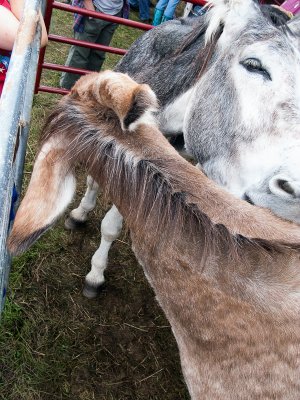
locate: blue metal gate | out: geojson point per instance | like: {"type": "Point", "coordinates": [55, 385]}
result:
{"type": "Point", "coordinates": [15, 111]}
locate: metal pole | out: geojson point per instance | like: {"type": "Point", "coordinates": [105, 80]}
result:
{"type": "Point", "coordinates": [15, 106]}
{"type": "Point", "coordinates": [47, 21]}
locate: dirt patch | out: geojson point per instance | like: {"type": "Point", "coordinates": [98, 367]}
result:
{"type": "Point", "coordinates": [117, 346]}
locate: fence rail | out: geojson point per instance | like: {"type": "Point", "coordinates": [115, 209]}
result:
{"type": "Point", "coordinates": [52, 4]}
{"type": "Point", "coordinates": [15, 111]}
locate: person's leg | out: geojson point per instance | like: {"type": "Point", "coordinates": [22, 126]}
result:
{"type": "Point", "coordinates": [159, 12]}
{"type": "Point", "coordinates": [144, 10]}
{"type": "Point", "coordinates": [105, 34]}
{"type": "Point", "coordinates": [157, 17]}
{"type": "Point", "coordinates": [161, 5]}
{"type": "Point", "coordinates": [79, 56]}
{"type": "Point", "coordinates": [170, 10]}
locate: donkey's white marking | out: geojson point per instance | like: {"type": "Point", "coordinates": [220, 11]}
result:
{"type": "Point", "coordinates": [146, 118]}
{"type": "Point", "coordinates": [88, 202]}
{"type": "Point", "coordinates": [172, 117]}
{"type": "Point", "coordinates": [66, 196]}
{"type": "Point", "coordinates": [111, 227]}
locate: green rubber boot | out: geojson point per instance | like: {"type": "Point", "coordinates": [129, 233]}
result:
{"type": "Point", "coordinates": [158, 14]}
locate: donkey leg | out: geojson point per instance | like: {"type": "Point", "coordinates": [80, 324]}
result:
{"type": "Point", "coordinates": [78, 216]}
{"type": "Point", "coordinates": [111, 227]}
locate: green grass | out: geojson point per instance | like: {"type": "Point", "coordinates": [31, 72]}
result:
{"type": "Point", "coordinates": [55, 344]}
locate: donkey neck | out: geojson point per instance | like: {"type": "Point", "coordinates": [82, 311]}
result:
{"type": "Point", "coordinates": [220, 207]}
{"type": "Point", "coordinates": [170, 204]}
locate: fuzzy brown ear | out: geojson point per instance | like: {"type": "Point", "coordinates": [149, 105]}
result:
{"type": "Point", "coordinates": [50, 191]}
{"type": "Point", "coordinates": [114, 90]}
{"type": "Point", "coordinates": [128, 99]}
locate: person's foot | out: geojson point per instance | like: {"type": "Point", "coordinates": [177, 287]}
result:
{"type": "Point", "coordinates": [146, 21]}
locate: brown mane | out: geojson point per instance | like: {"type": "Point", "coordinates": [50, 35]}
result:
{"type": "Point", "coordinates": [165, 198]}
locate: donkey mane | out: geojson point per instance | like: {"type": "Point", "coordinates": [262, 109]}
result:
{"type": "Point", "coordinates": [168, 209]}
{"type": "Point", "coordinates": [155, 184]}
{"type": "Point", "coordinates": [273, 15]}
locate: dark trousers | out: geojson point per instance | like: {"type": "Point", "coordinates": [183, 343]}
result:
{"type": "Point", "coordinates": [95, 31]}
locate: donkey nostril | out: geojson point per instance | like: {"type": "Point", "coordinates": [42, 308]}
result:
{"type": "Point", "coordinates": [285, 186]}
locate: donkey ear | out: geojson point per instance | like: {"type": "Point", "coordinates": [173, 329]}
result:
{"type": "Point", "coordinates": [50, 191]}
{"type": "Point", "coordinates": [284, 187]}
{"type": "Point", "coordinates": [143, 103]}
{"type": "Point", "coordinates": [294, 26]}
{"type": "Point", "coordinates": [233, 15]}
{"type": "Point", "coordinates": [128, 99]}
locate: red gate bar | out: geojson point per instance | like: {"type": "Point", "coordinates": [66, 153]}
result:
{"type": "Point", "coordinates": [60, 39]}
{"type": "Point", "coordinates": [47, 20]}
{"type": "Point", "coordinates": [197, 2]}
{"type": "Point", "coordinates": [65, 7]}
{"type": "Point", "coordinates": [104, 17]}
{"type": "Point", "coordinates": [64, 68]}
{"type": "Point", "coordinates": [54, 90]}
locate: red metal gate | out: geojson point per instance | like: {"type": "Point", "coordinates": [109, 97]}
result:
{"type": "Point", "coordinates": [51, 4]}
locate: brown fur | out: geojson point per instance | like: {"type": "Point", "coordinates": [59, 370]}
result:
{"type": "Point", "coordinates": [46, 178]}
{"type": "Point", "coordinates": [225, 273]}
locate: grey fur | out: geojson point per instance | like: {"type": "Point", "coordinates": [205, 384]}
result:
{"type": "Point", "coordinates": [154, 58]}
{"type": "Point", "coordinates": [170, 58]}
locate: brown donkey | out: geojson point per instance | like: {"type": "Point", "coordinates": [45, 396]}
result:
{"type": "Point", "coordinates": [226, 273]}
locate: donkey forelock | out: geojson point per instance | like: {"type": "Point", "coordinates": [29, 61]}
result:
{"type": "Point", "coordinates": [243, 16]}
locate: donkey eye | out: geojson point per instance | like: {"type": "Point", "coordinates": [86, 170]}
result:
{"type": "Point", "coordinates": [253, 65]}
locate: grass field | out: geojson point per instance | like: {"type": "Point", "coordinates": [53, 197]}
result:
{"type": "Point", "coordinates": [54, 343]}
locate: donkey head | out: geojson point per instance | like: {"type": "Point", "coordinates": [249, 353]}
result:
{"type": "Point", "coordinates": [248, 106]}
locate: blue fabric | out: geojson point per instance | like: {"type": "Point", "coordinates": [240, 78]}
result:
{"type": "Point", "coordinates": [5, 61]}
{"type": "Point", "coordinates": [165, 18]}
{"type": "Point", "coordinates": [78, 18]}
{"type": "Point", "coordinates": [144, 8]}
{"type": "Point", "coordinates": [13, 202]}
{"type": "Point", "coordinates": [197, 11]}
{"type": "Point", "coordinates": [168, 6]}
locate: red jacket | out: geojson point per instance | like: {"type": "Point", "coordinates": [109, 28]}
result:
{"type": "Point", "coordinates": [4, 54]}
